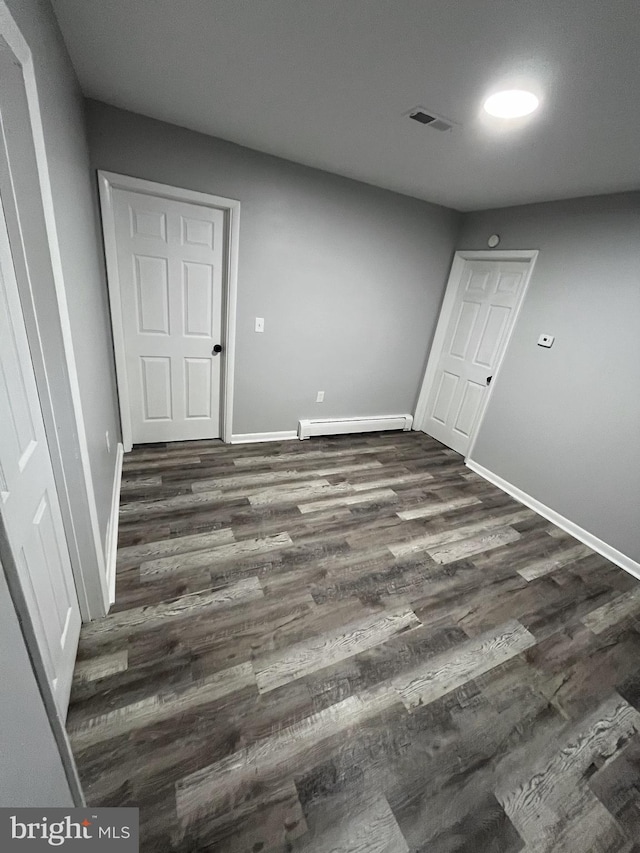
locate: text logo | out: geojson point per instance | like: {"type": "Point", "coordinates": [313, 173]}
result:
{"type": "Point", "coordinates": [34, 830]}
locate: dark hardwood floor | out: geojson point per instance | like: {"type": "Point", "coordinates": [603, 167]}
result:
{"type": "Point", "coordinates": [356, 645]}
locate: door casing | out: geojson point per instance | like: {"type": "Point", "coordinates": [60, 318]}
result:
{"type": "Point", "coordinates": [528, 255]}
{"type": "Point", "coordinates": [88, 570]}
{"type": "Point", "coordinates": [31, 222]}
{"type": "Point", "coordinates": [109, 181]}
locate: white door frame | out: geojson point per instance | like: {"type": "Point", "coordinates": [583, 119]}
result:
{"type": "Point", "coordinates": [109, 181]}
{"type": "Point", "coordinates": [459, 259]}
{"type": "Point", "coordinates": [91, 603]}
{"type": "Point", "coordinates": [89, 566]}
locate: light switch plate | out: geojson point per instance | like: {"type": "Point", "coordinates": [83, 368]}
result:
{"type": "Point", "coordinates": [546, 340]}
{"type": "Point", "coordinates": [259, 324]}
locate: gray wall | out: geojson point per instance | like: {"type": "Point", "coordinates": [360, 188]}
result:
{"type": "Point", "coordinates": [564, 423]}
{"type": "Point", "coordinates": [349, 278]}
{"type": "Point", "coordinates": [78, 236]}
{"type": "Point", "coordinates": [31, 770]}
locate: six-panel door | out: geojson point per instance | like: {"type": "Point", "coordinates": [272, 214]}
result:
{"type": "Point", "coordinates": [28, 498]}
{"type": "Point", "coordinates": [484, 310]}
{"type": "Point", "coordinates": [170, 267]}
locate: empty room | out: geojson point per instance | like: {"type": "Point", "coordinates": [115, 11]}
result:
{"type": "Point", "coordinates": [320, 425]}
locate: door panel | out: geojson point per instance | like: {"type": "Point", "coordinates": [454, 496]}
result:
{"type": "Point", "coordinates": [170, 265]}
{"type": "Point", "coordinates": [197, 232]}
{"type": "Point", "coordinates": [486, 299]}
{"type": "Point", "coordinates": [444, 396]}
{"type": "Point", "coordinates": [508, 282]}
{"type": "Point", "coordinates": [477, 280]}
{"type": "Point", "coordinates": [198, 387]}
{"type": "Point", "coordinates": [147, 223]}
{"type": "Point", "coordinates": [471, 397]}
{"type": "Point", "coordinates": [492, 336]}
{"type": "Point", "coordinates": [197, 283]}
{"type": "Point", "coordinates": [152, 292]}
{"type": "Point", "coordinates": [156, 388]}
{"type": "Point", "coordinates": [468, 314]}
{"type": "Point", "coordinates": [28, 498]}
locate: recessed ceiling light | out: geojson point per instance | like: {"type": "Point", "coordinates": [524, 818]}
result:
{"type": "Point", "coordinates": [512, 103]}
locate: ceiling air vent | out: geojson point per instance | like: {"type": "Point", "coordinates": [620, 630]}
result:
{"type": "Point", "coordinates": [421, 115]}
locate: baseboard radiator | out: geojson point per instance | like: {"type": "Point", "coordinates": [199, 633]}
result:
{"type": "Point", "coordinates": [342, 426]}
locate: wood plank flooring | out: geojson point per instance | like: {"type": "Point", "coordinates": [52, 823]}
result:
{"type": "Point", "coordinates": [356, 645]}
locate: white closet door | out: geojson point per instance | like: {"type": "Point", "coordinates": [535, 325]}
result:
{"type": "Point", "coordinates": [28, 498]}
{"type": "Point", "coordinates": [483, 298]}
{"type": "Point", "coordinates": [170, 267]}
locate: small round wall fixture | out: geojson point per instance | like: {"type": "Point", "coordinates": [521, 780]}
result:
{"type": "Point", "coordinates": [493, 241]}
{"type": "Point", "coordinates": [512, 103]}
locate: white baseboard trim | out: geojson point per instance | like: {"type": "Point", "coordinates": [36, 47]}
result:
{"type": "Point", "coordinates": [112, 528]}
{"type": "Point", "coordinates": [251, 437]}
{"type": "Point", "coordinates": [607, 551]}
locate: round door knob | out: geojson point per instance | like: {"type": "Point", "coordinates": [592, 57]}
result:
{"type": "Point", "coordinates": [217, 348]}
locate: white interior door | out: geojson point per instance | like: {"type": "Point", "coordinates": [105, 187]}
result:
{"type": "Point", "coordinates": [170, 257]}
{"type": "Point", "coordinates": [28, 498]}
{"type": "Point", "coordinates": [482, 300]}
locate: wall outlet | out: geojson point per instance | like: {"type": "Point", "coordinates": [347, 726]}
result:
{"type": "Point", "coordinates": [320, 397]}
{"type": "Point", "coordinates": [259, 324]}
{"type": "Point", "coordinates": [108, 441]}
